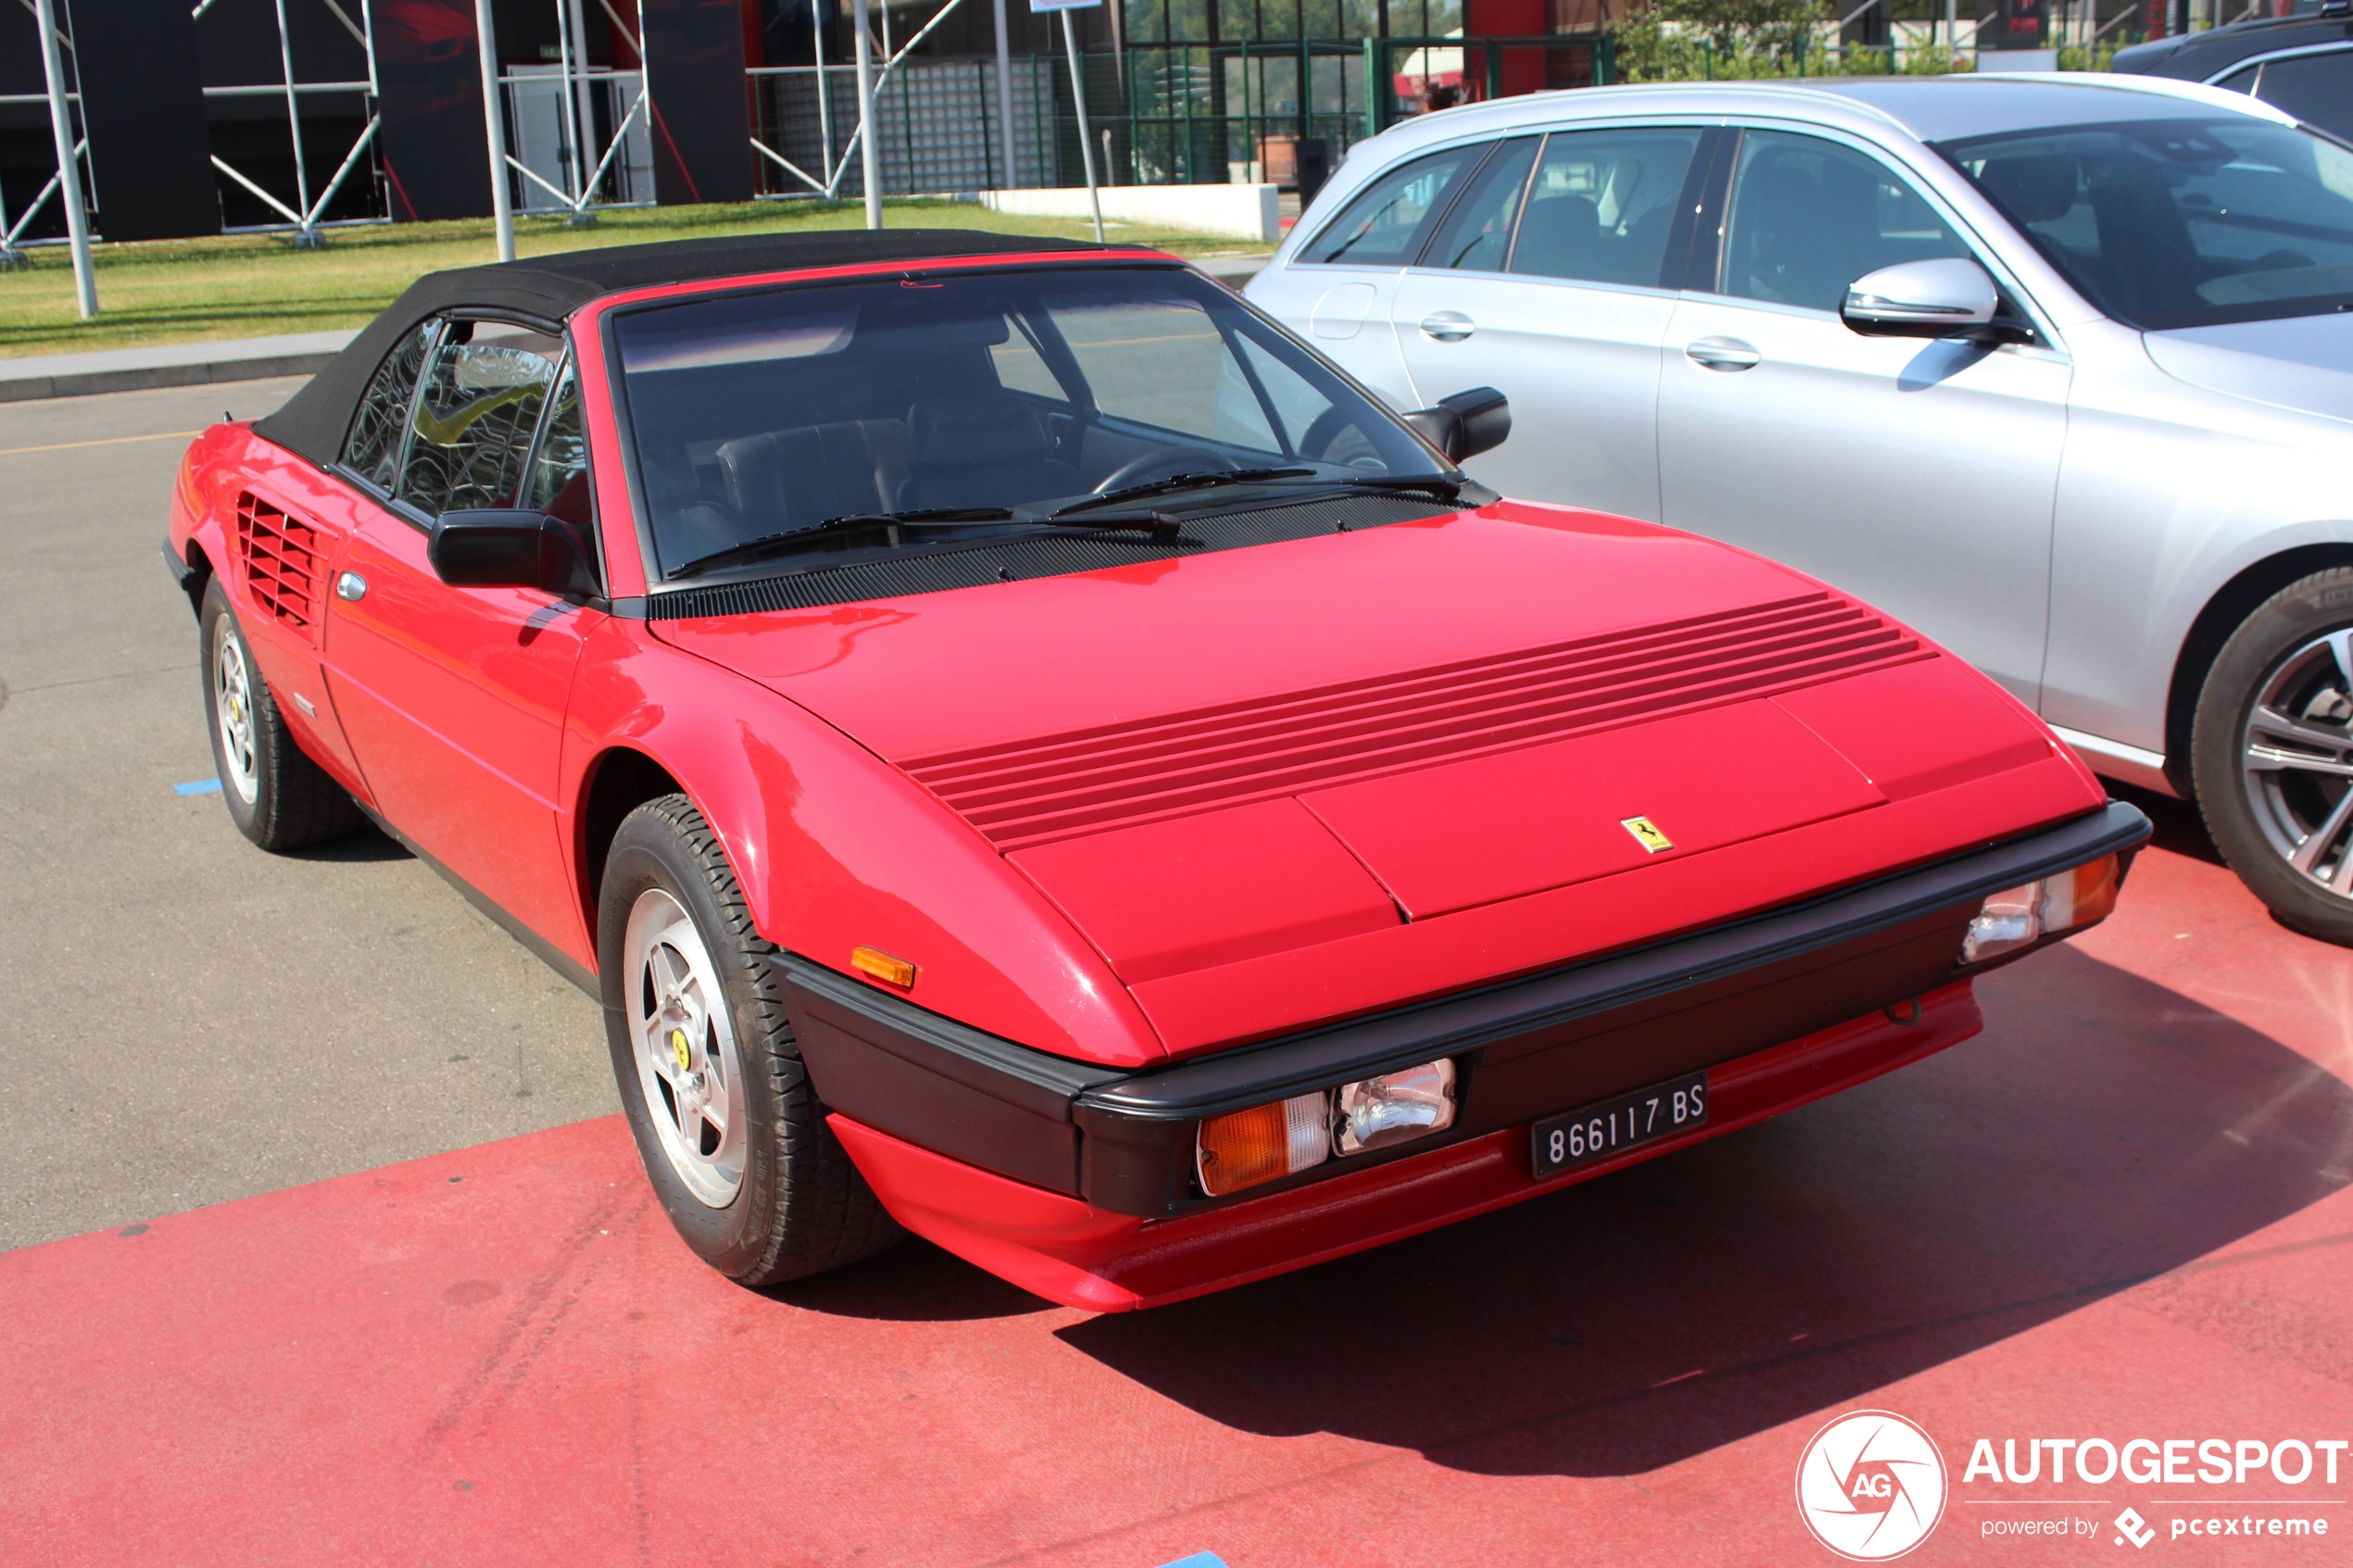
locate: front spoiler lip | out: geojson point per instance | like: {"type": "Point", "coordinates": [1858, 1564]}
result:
{"type": "Point", "coordinates": [1075, 1127]}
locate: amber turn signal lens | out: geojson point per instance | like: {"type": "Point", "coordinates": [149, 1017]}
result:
{"type": "Point", "coordinates": [2085, 895]}
{"type": "Point", "coordinates": [1246, 1148]}
{"type": "Point", "coordinates": [883, 966]}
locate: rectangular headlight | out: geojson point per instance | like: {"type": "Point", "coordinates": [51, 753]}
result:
{"type": "Point", "coordinates": [2019, 917]}
{"type": "Point", "coordinates": [1376, 1112]}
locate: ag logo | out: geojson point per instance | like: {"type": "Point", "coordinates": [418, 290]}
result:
{"type": "Point", "coordinates": [1871, 1486]}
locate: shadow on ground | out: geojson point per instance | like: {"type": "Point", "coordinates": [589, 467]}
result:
{"type": "Point", "coordinates": [2103, 1131]}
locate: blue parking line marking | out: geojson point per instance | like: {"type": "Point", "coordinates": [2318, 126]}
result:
{"type": "Point", "coordinates": [202, 786]}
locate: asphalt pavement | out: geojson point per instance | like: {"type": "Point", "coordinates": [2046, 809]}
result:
{"type": "Point", "coordinates": [191, 1019]}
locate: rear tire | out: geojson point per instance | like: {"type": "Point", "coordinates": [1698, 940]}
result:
{"type": "Point", "coordinates": [727, 1123]}
{"type": "Point", "coordinates": [2273, 754]}
{"type": "Point", "coordinates": [278, 797]}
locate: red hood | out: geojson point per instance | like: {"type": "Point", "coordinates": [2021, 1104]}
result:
{"type": "Point", "coordinates": [1261, 752]}
{"type": "Point", "coordinates": [933, 674]}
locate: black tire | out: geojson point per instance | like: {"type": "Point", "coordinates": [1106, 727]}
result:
{"type": "Point", "coordinates": [283, 800]}
{"type": "Point", "coordinates": [800, 1206]}
{"type": "Point", "coordinates": [2248, 827]}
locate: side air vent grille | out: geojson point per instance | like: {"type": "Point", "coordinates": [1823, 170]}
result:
{"type": "Point", "coordinates": [1044, 555]}
{"type": "Point", "coordinates": [1060, 786]}
{"type": "Point", "coordinates": [282, 561]}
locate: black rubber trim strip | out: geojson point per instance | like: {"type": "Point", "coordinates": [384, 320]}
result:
{"type": "Point", "coordinates": [994, 1066]}
{"type": "Point", "coordinates": [181, 570]}
{"type": "Point", "coordinates": [1051, 1085]}
{"type": "Point", "coordinates": [1450, 1026]}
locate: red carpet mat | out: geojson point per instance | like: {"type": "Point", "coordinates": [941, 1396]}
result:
{"type": "Point", "coordinates": [2119, 1214]}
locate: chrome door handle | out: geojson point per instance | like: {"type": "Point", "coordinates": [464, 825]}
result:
{"type": "Point", "coordinates": [351, 587]}
{"type": "Point", "coordinates": [1723, 354]}
{"type": "Point", "coordinates": [1447, 326]}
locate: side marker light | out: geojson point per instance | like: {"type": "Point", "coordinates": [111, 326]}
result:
{"type": "Point", "coordinates": [883, 966]}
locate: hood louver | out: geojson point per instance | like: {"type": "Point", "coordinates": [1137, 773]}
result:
{"type": "Point", "coordinates": [1062, 786]}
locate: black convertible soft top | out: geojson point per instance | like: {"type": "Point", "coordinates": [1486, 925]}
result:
{"type": "Point", "coordinates": [549, 288]}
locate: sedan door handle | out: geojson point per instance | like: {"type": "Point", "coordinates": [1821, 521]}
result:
{"type": "Point", "coordinates": [1724, 354]}
{"type": "Point", "coordinates": [1447, 326]}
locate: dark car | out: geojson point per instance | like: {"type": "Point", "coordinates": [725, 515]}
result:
{"type": "Point", "coordinates": [2302, 62]}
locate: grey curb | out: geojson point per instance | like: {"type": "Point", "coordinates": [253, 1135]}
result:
{"type": "Point", "coordinates": [179, 364]}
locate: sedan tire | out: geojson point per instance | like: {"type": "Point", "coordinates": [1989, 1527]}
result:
{"type": "Point", "coordinates": [730, 1129]}
{"type": "Point", "coordinates": [2272, 751]}
{"type": "Point", "coordinates": [278, 797]}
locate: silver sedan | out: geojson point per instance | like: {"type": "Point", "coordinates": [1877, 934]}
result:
{"type": "Point", "coordinates": [2057, 369]}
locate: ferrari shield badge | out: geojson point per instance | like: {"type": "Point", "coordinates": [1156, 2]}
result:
{"type": "Point", "coordinates": [1646, 833]}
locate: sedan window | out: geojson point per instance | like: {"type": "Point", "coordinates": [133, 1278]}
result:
{"type": "Point", "coordinates": [1810, 216]}
{"type": "Point", "coordinates": [475, 417]}
{"type": "Point", "coordinates": [2317, 89]}
{"type": "Point", "coordinates": [1602, 205]}
{"type": "Point", "coordinates": [2180, 222]}
{"type": "Point", "coordinates": [1477, 235]}
{"type": "Point", "coordinates": [1384, 226]}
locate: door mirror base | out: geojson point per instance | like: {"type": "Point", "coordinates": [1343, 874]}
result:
{"type": "Point", "coordinates": [509, 548]}
{"type": "Point", "coordinates": [1465, 424]}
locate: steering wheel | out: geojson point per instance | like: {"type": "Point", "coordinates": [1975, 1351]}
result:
{"type": "Point", "coordinates": [1166, 463]}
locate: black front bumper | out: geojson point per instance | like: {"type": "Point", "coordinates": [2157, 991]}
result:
{"type": "Point", "coordinates": [1122, 1140]}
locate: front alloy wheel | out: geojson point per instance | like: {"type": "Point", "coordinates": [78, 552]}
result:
{"type": "Point", "coordinates": [2296, 759]}
{"type": "Point", "coordinates": [732, 1136]}
{"type": "Point", "coordinates": [687, 1065]}
{"type": "Point", "coordinates": [2272, 751]}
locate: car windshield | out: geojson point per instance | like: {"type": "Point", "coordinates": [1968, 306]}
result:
{"type": "Point", "coordinates": [2186, 222]}
{"type": "Point", "coordinates": [760, 415]}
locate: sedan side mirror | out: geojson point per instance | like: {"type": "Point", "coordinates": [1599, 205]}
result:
{"type": "Point", "coordinates": [507, 547]}
{"type": "Point", "coordinates": [1465, 424]}
{"type": "Point", "coordinates": [1951, 298]}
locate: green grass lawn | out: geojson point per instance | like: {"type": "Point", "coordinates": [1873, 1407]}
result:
{"type": "Point", "coordinates": [257, 285]}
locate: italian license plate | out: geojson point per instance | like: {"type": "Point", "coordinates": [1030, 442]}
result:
{"type": "Point", "coordinates": [1597, 1131]}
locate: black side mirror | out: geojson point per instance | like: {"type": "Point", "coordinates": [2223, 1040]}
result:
{"type": "Point", "coordinates": [507, 547]}
{"type": "Point", "coordinates": [1465, 424]}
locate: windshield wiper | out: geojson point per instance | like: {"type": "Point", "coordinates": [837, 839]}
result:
{"type": "Point", "coordinates": [1183, 482]}
{"type": "Point", "coordinates": [1305, 479]}
{"type": "Point", "coordinates": [925, 516]}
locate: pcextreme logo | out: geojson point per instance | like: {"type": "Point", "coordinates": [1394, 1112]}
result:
{"type": "Point", "coordinates": [1871, 1486]}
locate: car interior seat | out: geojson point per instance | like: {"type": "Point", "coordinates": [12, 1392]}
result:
{"type": "Point", "coordinates": [798, 478]}
{"type": "Point", "coordinates": [982, 449]}
{"type": "Point", "coordinates": [1561, 237]}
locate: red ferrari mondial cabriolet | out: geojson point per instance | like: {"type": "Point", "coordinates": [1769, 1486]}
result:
{"type": "Point", "coordinates": [1028, 752]}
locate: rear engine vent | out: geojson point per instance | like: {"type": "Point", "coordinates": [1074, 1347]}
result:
{"type": "Point", "coordinates": [281, 561]}
{"type": "Point", "coordinates": [1060, 786]}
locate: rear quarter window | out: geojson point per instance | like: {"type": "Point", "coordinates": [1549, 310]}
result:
{"type": "Point", "coordinates": [1384, 225]}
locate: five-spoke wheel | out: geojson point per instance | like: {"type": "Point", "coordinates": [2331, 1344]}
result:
{"type": "Point", "coordinates": [687, 1065]}
{"type": "Point", "coordinates": [2273, 750]}
{"type": "Point", "coordinates": [720, 1105]}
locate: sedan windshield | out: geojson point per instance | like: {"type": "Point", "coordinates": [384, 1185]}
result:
{"type": "Point", "coordinates": [882, 415]}
{"type": "Point", "coordinates": [2168, 223]}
